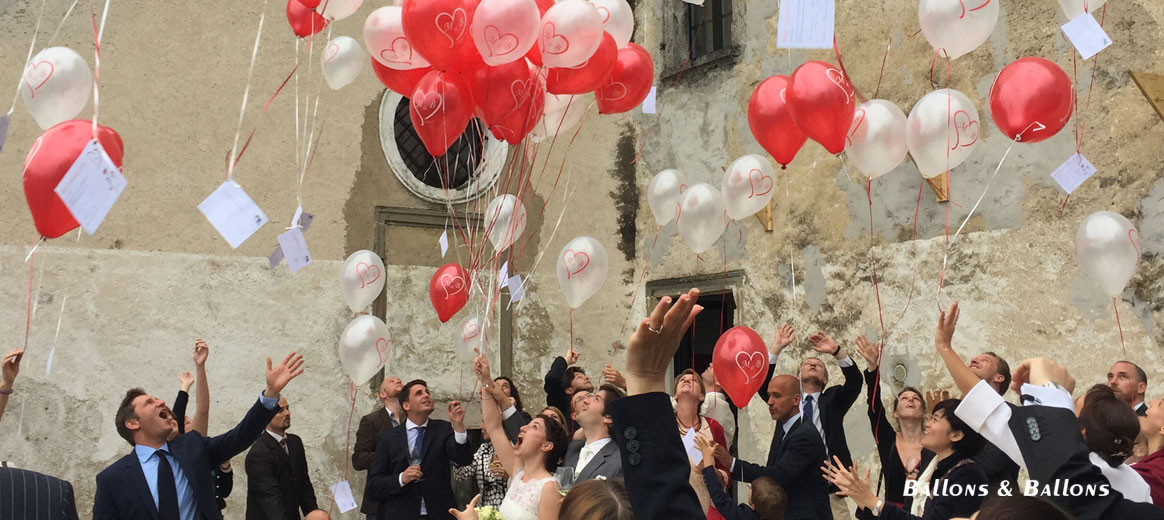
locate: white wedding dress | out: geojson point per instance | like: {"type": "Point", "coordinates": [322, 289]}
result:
{"type": "Point", "coordinates": [522, 499]}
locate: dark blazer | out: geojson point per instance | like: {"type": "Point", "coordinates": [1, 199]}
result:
{"type": "Point", "coordinates": [657, 472]}
{"type": "Point", "coordinates": [606, 463]}
{"type": "Point", "coordinates": [513, 424]}
{"type": "Point", "coordinates": [223, 485]}
{"type": "Point", "coordinates": [278, 486]}
{"type": "Point", "coordinates": [122, 492]}
{"type": "Point", "coordinates": [440, 449]}
{"type": "Point", "coordinates": [1054, 450]}
{"type": "Point", "coordinates": [725, 504]}
{"type": "Point", "coordinates": [28, 495]}
{"type": "Point", "coordinates": [794, 462]}
{"type": "Point", "coordinates": [371, 426]}
{"type": "Point", "coordinates": [957, 470]}
{"type": "Point", "coordinates": [555, 394]}
{"type": "Point", "coordinates": [835, 402]}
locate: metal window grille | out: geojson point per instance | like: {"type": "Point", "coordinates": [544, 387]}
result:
{"type": "Point", "coordinates": [462, 159]}
{"type": "Point", "coordinates": [709, 28]}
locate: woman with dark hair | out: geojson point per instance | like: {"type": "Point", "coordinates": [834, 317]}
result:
{"type": "Point", "coordinates": [506, 385]}
{"type": "Point", "coordinates": [597, 500]}
{"type": "Point", "coordinates": [951, 486]}
{"type": "Point", "coordinates": [902, 455]}
{"type": "Point", "coordinates": [1110, 428]}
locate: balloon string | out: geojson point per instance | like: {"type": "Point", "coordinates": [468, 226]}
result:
{"type": "Point", "coordinates": [230, 163]}
{"type": "Point", "coordinates": [263, 112]}
{"type": "Point", "coordinates": [571, 315]}
{"type": "Point", "coordinates": [1119, 327]}
{"type": "Point", "coordinates": [881, 74]}
{"type": "Point", "coordinates": [643, 276]}
{"type": "Point", "coordinates": [837, 50]}
{"type": "Point", "coordinates": [1080, 119]}
{"type": "Point", "coordinates": [917, 210]}
{"type": "Point", "coordinates": [97, 34]}
{"type": "Point", "coordinates": [28, 312]}
{"type": "Point", "coordinates": [348, 439]}
{"type": "Point", "coordinates": [31, 46]}
{"type": "Point", "coordinates": [872, 256]}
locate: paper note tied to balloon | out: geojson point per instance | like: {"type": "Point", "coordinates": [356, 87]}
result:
{"type": "Point", "coordinates": [1086, 35]}
{"type": "Point", "coordinates": [503, 275]}
{"type": "Point", "coordinates": [444, 241]}
{"type": "Point", "coordinates": [343, 496]}
{"type": "Point", "coordinates": [91, 187]}
{"type": "Point", "coordinates": [693, 452]}
{"type": "Point", "coordinates": [232, 212]}
{"type": "Point", "coordinates": [1073, 172]}
{"type": "Point", "coordinates": [805, 24]}
{"type": "Point", "coordinates": [294, 248]}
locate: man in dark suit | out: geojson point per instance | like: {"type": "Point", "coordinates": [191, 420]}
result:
{"type": "Point", "coordinates": [278, 486]}
{"type": "Point", "coordinates": [410, 474]}
{"type": "Point", "coordinates": [795, 457]}
{"type": "Point", "coordinates": [562, 381]}
{"type": "Point", "coordinates": [171, 480]}
{"type": "Point", "coordinates": [371, 426]}
{"type": "Point", "coordinates": [595, 456]}
{"type": "Point", "coordinates": [28, 495]}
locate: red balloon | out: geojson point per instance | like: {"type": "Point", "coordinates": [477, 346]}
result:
{"type": "Point", "coordinates": [588, 76]}
{"type": "Point", "coordinates": [510, 97]}
{"type": "Point", "coordinates": [449, 290]}
{"type": "Point", "coordinates": [440, 106]}
{"type": "Point", "coordinates": [629, 82]}
{"type": "Point", "coordinates": [822, 103]}
{"type": "Point", "coordinates": [402, 82]}
{"type": "Point", "coordinates": [740, 360]}
{"type": "Point", "coordinates": [438, 29]}
{"type": "Point", "coordinates": [1031, 99]}
{"type": "Point", "coordinates": [514, 126]}
{"type": "Point", "coordinates": [51, 156]}
{"type": "Point", "coordinates": [304, 20]}
{"type": "Point", "coordinates": [311, 4]}
{"type": "Point", "coordinates": [771, 120]}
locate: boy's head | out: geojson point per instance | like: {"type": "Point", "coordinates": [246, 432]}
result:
{"type": "Point", "coordinates": [768, 499]}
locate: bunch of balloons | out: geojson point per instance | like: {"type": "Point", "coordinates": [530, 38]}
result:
{"type": "Point", "coordinates": [817, 102]}
{"type": "Point", "coordinates": [364, 344]}
{"type": "Point", "coordinates": [515, 64]}
{"type": "Point", "coordinates": [308, 17]}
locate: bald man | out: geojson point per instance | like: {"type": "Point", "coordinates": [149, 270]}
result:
{"type": "Point", "coordinates": [795, 457]}
{"type": "Point", "coordinates": [384, 418]}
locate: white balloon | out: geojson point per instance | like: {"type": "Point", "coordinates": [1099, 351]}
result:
{"type": "Point", "coordinates": [343, 59]}
{"type": "Point", "coordinates": [748, 186]}
{"type": "Point", "coordinates": [617, 19]}
{"type": "Point", "coordinates": [470, 334]}
{"type": "Point", "coordinates": [957, 26]}
{"type": "Point", "coordinates": [582, 267]}
{"type": "Point", "coordinates": [338, 9]}
{"type": "Point", "coordinates": [571, 31]}
{"type": "Point", "coordinates": [504, 221]}
{"type": "Point", "coordinates": [505, 30]}
{"type": "Point", "coordinates": [663, 195]}
{"type": "Point", "coordinates": [702, 216]}
{"type": "Point", "coordinates": [364, 348]}
{"type": "Point", "coordinates": [930, 131]}
{"type": "Point", "coordinates": [1073, 8]}
{"type": "Point", "coordinates": [1107, 247]}
{"type": "Point", "coordinates": [561, 113]}
{"type": "Point", "coordinates": [876, 143]}
{"type": "Point", "coordinates": [362, 279]}
{"type": "Point", "coordinates": [56, 86]}
{"type": "Point", "coordinates": [385, 40]}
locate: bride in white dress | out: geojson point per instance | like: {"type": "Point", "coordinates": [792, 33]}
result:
{"type": "Point", "coordinates": [533, 491]}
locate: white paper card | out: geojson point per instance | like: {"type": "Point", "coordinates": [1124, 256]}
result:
{"type": "Point", "coordinates": [1073, 172]}
{"type": "Point", "coordinates": [91, 187]}
{"type": "Point", "coordinates": [343, 497]}
{"type": "Point", "coordinates": [805, 24]}
{"type": "Point", "coordinates": [504, 275]}
{"type": "Point", "coordinates": [1086, 35]}
{"type": "Point", "coordinates": [516, 289]}
{"type": "Point", "coordinates": [444, 243]}
{"type": "Point", "coordinates": [233, 213]}
{"type": "Point", "coordinates": [693, 452]}
{"type": "Point", "coordinates": [649, 103]}
{"type": "Point", "coordinates": [3, 130]}
{"type": "Point", "coordinates": [294, 248]}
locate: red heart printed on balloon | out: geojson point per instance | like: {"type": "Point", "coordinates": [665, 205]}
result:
{"type": "Point", "coordinates": [858, 119]}
{"type": "Point", "coordinates": [42, 70]}
{"type": "Point", "coordinates": [382, 349]}
{"type": "Point", "coordinates": [575, 262]}
{"type": "Point", "coordinates": [605, 14]}
{"type": "Point", "coordinates": [470, 331]}
{"type": "Point", "coordinates": [966, 130]}
{"type": "Point", "coordinates": [399, 52]}
{"type": "Point", "coordinates": [499, 43]}
{"type": "Point", "coordinates": [367, 273]}
{"type": "Point", "coordinates": [332, 51]}
{"type": "Point", "coordinates": [760, 183]}
{"type": "Point", "coordinates": [964, 11]}
{"type": "Point", "coordinates": [552, 42]}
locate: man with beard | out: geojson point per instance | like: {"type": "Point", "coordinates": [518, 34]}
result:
{"type": "Point", "coordinates": [170, 479]}
{"type": "Point", "coordinates": [278, 487]}
{"type": "Point", "coordinates": [385, 418]}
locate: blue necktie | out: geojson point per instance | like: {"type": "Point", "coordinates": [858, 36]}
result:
{"type": "Point", "coordinates": [167, 490]}
{"type": "Point", "coordinates": [808, 408]}
{"type": "Point", "coordinates": [418, 447]}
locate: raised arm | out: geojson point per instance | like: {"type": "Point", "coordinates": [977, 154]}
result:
{"type": "Point", "coordinates": [943, 337]}
{"type": "Point", "coordinates": [784, 337]}
{"type": "Point", "coordinates": [491, 421]}
{"type": "Point", "coordinates": [223, 447]}
{"type": "Point", "coordinates": [883, 432]}
{"type": "Point", "coordinates": [202, 389]}
{"type": "Point", "coordinates": [851, 389]}
{"type": "Point", "coordinates": [10, 366]}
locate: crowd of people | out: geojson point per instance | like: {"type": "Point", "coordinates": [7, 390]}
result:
{"type": "Point", "coordinates": [632, 447]}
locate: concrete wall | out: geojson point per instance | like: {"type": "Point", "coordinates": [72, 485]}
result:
{"type": "Point", "coordinates": [157, 275]}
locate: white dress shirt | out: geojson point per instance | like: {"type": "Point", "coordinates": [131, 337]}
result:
{"type": "Point", "coordinates": [587, 454]}
{"type": "Point", "coordinates": [460, 437]}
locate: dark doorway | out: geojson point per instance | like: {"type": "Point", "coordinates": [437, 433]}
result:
{"type": "Point", "coordinates": [695, 350]}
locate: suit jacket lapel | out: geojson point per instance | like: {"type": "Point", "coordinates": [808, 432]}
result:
{"type": "Point", "coordinates": [137, 481]}
{"type": "Point", "coordinates": [598, 461]}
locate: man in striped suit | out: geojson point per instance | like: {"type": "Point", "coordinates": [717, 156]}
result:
{"type": "Point", "coordinates": [28, 495]}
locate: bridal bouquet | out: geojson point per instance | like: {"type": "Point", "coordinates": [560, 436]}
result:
{"type": "Point", "coordinates": [488, 513]}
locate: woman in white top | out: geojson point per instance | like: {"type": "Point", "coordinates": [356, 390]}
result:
{"type": "Point", "coordinates": [533, 492]}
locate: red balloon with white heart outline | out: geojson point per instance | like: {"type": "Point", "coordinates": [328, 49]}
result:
{"type": "Point", "coordinates": [630, 81]}
{"type": "Point", "coordinates": [449, 290]}
{"type": "Point", "coordinates": [740, 362]}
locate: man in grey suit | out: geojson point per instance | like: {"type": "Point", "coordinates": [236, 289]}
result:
{"type": "Point", "coordinates": [596, 456]}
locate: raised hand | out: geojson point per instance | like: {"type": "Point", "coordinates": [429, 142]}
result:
{"type": "Point", "coordinates": [571, 356]}
{"type": "Point", "coordinates": [187, 380]}
{"type": "Point", "coordinates": [457, 416]}
{"type": "Point", "coordinates": [947, 322]}
{"type": "Point", "coordinates": [1037, 371]}
{"type": "Point", "coordinates": [934, 397]}
{"type": "Point", "coordinates": [707, 448]}
{"type": "Point", "coordinates": [469, 513]}
{"type": "Point", "coordinates": [784, 337]}
{"type": "Point", "coordinates": [849, 483]}
{"type": "Point", "coordinates": [822, 343]}
{"type": "Point", "coordinates": [869, 351]}
{"type": "Point", "coordinates": [612, 376]}
{"type": "Point", "coordinates": [279, 375]}
{"type": "Point", "coordinates": [721, 454]}
{"type": "Point", "coordinates": [655, 340]}
{"type": "Point", "coordinates": [201, 351]}
{"type": "Point", "coordinates": [481, 368]}
{"type": "Point", "coordinates": [10, 366]}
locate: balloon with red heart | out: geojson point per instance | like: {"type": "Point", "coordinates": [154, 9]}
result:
{"type": "Point", "coordinates": [771, 120]}
{"type": "Point", "coordinates": [740, 362]}
{"type": "Point", "coordinates": [504, 30]}
{"type": "Point", "coordinates": [1031, 99]}
{"type": "Point", "coordinates": [440, 107]}
{"type": "Point", "coordinates": [630, 81]}
{"type": "Point", "coordinates": [588, 76]}
{"type": "Point", "coordinates": [49, 159]}
{"type": "Point", "coordinates": [822, 103]}
{"type": "Point", "coordinates": [304, 20]}
{"type": "Point", "coordinates": [449, 290]}
{"type": "Point", "coordinates": [438, 29]}
{"type": "Point", "coordinates": [535, 54]}
{"type": "Point", "coordinates": [402, 82]}
{"type": "Point", "coordinates": [582, 267]}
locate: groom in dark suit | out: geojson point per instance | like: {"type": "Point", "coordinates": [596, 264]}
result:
{"type": "Point", "coordinates": [171, 480]}
{"type": "Point", "coordinates": [595, 456]}
{"type": "Point", "coordinates": [404, 488]}
{"type": "Point", "coordinates": [795, 457]}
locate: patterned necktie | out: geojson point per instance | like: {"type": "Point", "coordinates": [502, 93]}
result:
{"type": "Point", "coordinates": [167, 490]}
{"type": "Point", "coordinates": [418, 448]}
